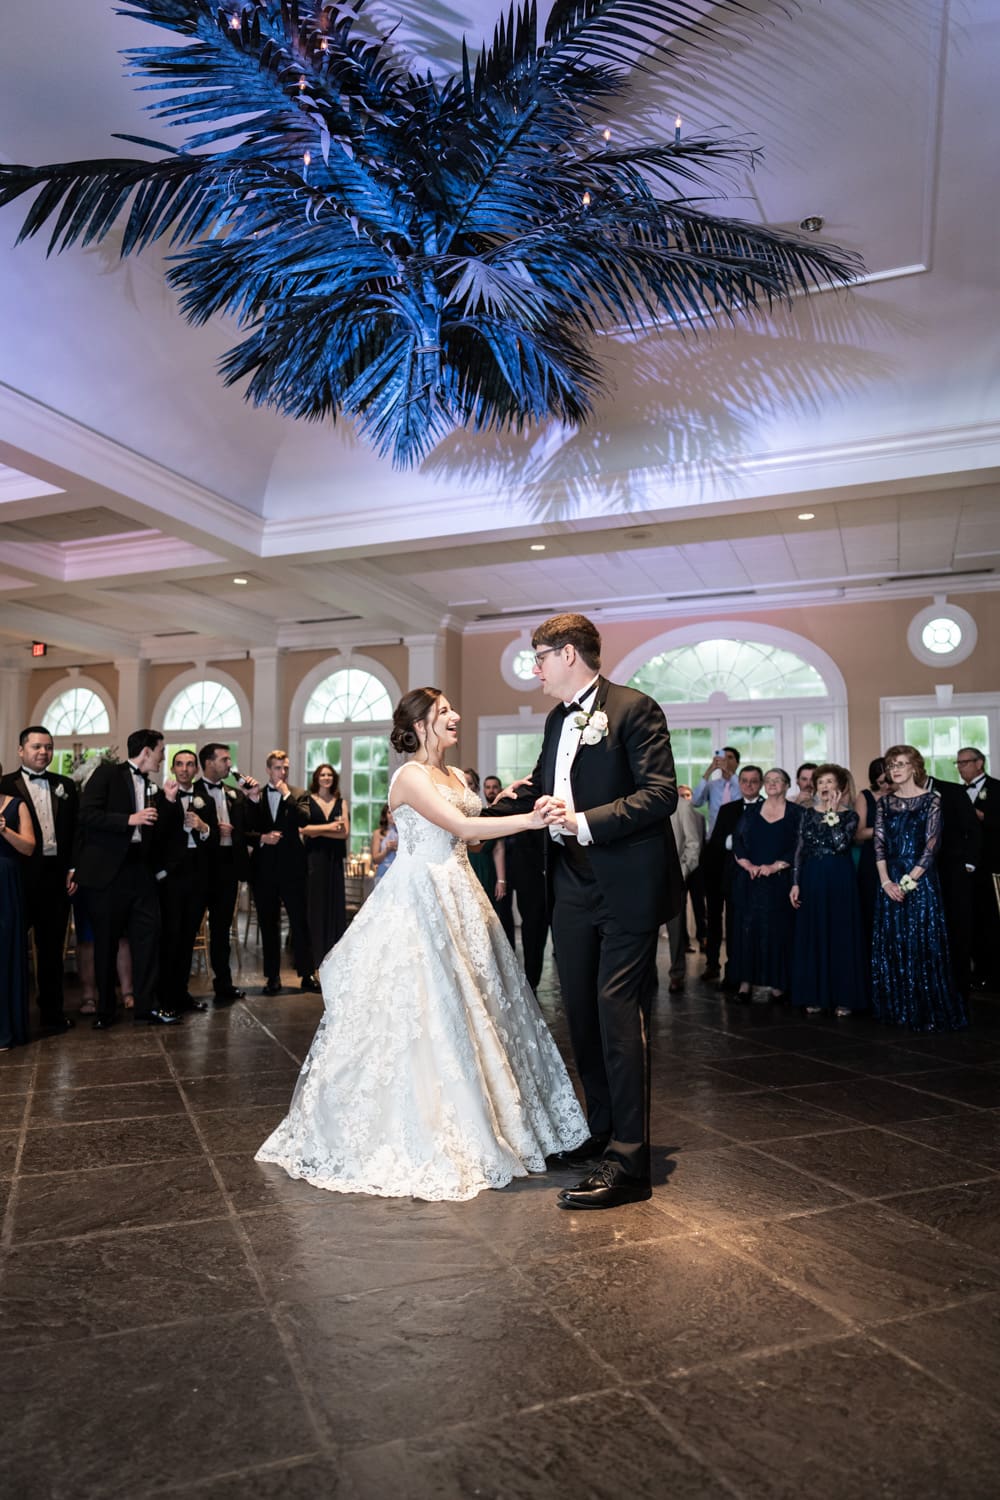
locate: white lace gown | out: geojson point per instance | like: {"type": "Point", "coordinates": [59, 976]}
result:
{"type": "Point", "coordinates": [432, 1074]}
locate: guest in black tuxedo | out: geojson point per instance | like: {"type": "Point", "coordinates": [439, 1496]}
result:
{"type": "Point", "coordinates": [278, 873]}
{"type": "Point", "coordinates": [524, 877]}
{"type": "Point", "coordinates": [46, 874]}
{"type": "Point", "coordinates": [116, 867]}
{"type": "Point", "coordinates": [226, 814]}
{"type": "Point", "coordinates": [183, 853]}
{"type": "Point", "coordinates": [958, 859]}
{"type": "Point", "coordinates": [605, 782]}
{"type": "Point", "coordinates": [983, 793]}
{"type": "Point", "coordinates": [719, 861]}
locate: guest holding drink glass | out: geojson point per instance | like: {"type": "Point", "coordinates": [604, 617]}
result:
{"type": "Point", "coordinates": [912, 982]}
{"type": "Point", "coordinates": [828, 971]}
{"type": "Point", "coordinates": [764, 849]}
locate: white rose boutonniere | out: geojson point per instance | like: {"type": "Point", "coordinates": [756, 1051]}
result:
{"type": "Point", "coordinates": [907, 884]}
{"type": "Point", "coordinates": [198, 802]}
{"type": "Point", "coordinates": [982, 796]}
{"type": "Point", "coordinates": [59, 789]}
{"type": "Point", "coordinates": [831, 818]}
{"type": "Point", "coordinates": [230, 794]}
{"type": "Point", "coordinates": [594, 726]}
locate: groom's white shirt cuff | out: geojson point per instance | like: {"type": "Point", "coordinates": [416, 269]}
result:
{"type": "Point", "coordinates": [583, 833]}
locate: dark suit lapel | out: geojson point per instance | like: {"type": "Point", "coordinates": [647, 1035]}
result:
{"type": "Point", "coordinates": [553, 730]}
{"type": "Point", "coordinates": [26, 798]}
{"type": "Point", "coordinates": [598, 700]}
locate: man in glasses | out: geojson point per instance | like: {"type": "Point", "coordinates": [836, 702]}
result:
{"type": "Point", "coordinates": [605, 780]}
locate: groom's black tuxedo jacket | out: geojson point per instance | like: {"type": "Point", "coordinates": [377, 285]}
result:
{"type": "Point", "coordinates": [627, 787]}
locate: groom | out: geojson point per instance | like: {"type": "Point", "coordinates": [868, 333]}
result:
{"type": "Point", "coordinates": [605, 782]}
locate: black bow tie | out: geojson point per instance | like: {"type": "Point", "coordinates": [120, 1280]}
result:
{"type": "Point", "coordinates": [136, 772]}
{"type": "Point", "coordinates": [577, 706]}
{"type": "Point", "coordinates": [36, 775]}
{"type": "Point", "coordinates": [214, 786]}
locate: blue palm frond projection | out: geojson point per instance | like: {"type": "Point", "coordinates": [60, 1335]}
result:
{"type": "Point", "coordinates": [414, 251]}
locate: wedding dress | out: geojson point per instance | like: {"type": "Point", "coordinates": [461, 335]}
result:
{"type": "Point", "coordinates": [432, 1074]}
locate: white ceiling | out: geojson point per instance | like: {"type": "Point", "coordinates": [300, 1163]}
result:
{"type": "Point", "coordinates": [134, 487]}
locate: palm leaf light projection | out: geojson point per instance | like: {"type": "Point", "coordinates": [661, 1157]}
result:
{"type": "Point", "coordinates": [417, 252]}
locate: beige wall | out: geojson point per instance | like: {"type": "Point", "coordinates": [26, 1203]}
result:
{"type": "Point", "coordinates": [867, 641]}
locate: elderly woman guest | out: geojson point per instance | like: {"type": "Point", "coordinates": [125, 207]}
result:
{"type": "Point", "coordinates": [326, 834]}
{"type": "Point", "coordinates": [828, 969]}
{"type": "Point", "coordinates": [17, 842]}
{"type": "Point", "coordinates": [868, 881]}
{"type": "Point", "coordinates": [912, 982]}
{"type": "Point", "coordinates": [764, 850]}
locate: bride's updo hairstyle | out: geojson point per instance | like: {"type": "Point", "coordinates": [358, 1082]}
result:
{"type": "Point", "coordinates": [412, 709]}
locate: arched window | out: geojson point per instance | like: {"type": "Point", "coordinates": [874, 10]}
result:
{"type": "Point", "coordinates": [348, 696]}
{"type": "Point", "coordinates": [199, 710]}
{"type": "Point", "coordinates": [76, 713]}
{"type": "Point", "coordinates": [774, 696]}
{"type": "Point", "coordinates": [79, 721]}
{"type": "Point", "coordinates": [745, 670]}
{"type": "Point", "coordinates": [204, 705]}
{"type": "Point", "coordinates": [336, 707]}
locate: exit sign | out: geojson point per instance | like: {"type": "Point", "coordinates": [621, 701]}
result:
{"type": "Point", "coordinates": [38, 648]}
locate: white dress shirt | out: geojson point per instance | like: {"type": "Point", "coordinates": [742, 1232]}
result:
{"type": "Point", "coordinates": [566, 752]}
{"type": "Point", "coordinates": [40, 792]}
{"type": "Point", "coordinates": [975, 787]}
{"type": "Point", "coordinates": [218, 796]}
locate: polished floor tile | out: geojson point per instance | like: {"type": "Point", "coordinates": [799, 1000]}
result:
{"type": "Point", "coordinates": [844, 1420]}
{"type": "Point", "coordinates": [819, 1262]}
{"type": "Point", "coordinates": [603, 1447]}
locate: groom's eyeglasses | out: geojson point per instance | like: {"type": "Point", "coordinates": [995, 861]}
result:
{"type": "Point", "coordinates": [545, 651]}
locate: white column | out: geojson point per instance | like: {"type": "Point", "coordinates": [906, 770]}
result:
{"type": "Point", "coordinates": [133, 702]}
{"type": "Point", "coordinates": [13, 712]}
{"type": "Point", "coordinates": [426, 660]}
{"type": "Point", "coordinates": [268, 733]}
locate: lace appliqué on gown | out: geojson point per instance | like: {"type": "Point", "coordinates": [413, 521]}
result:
{"type": "Point", "coordinates": [433, 1074]}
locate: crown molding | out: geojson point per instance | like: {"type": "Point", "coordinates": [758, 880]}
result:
{"type": "Point", "coordinates": [111, 557]}
{"type": "Point", "coordinates": [59, 441]}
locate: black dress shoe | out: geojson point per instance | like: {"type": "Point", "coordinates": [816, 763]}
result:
{"type": "Point", "coordinates": [273, 987]}
{"type": "Point", "coordinates": [103, 1023]}
{"type": "Point", "coordinates": [159, 1018]}
{"type": "Point", "coordinates": [311, 984]}
{"type": "Point", "coordinates": [189, 1005]}
{"type": "Point", "coordinates": [711, 971]}
{"type": "Point", "coordinates": [592, 1149]}
{"type": "Point", "coordinates": [608, 1186]}
{"type": "Point", "coordinates": [226, 997]}
{"type": "Point", "coordinates": [56, 1028]}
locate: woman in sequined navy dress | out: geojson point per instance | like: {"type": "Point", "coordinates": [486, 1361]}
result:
{"type": "Point", "coordinates": [828, 970]}
{"type": "Point", "coordinates": [911, 969]}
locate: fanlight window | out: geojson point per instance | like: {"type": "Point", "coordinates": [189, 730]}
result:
{"type": "Point", "coordinates": [734, 669]}
{"type": "Point", "coordinates": [78, 711]}
{"type": "Point", "coordinates": [204, 705]}
{"type": "Point", "coordinates": [348, 696]}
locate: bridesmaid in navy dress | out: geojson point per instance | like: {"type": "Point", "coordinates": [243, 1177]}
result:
{"type": "Point", "coordinates": [764, 850]}
{"type": "Point", "coordinates": [17, 840]}
{"type": "Point", "coordinates": [912, 981]}
{"type": "Point", "coordinates": [828, 970]}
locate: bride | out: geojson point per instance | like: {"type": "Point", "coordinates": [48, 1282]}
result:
{"type": "Point", "coordinates": [432, 1074]}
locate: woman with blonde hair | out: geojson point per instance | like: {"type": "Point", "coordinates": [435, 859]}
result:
{"type": "Point", "coordinates": [911, 970]}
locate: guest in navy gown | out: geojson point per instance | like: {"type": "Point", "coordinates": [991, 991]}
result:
{"type": "Point", "coordinates": [764, 849]}
{"type": "Point", "coordinates": [868, 881]}
{"type": "Point", "coordinates": [828, 970]}
{"type": "Point", "coordinates": [17, 842]}
{"type": "Point", "coordinates": [912, 983]}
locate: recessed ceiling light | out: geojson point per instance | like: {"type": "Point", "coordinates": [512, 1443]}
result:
{"type": "Point", "coordinates": [807, 515]}
{"type": "Point", "coordinates": [241, 580]}
{"type": "Point", "coordinates": [538, 546]}
{"type": "Point", "coordinates": [812, 223]}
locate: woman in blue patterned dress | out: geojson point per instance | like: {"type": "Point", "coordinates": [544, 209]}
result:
{"type": "Point", "coordinates": [828, 970]}
{"type": "Point", "coordinates": [911, 970]}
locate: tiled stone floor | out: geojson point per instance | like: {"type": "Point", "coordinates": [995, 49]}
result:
{"type": "Point", "coordinates": [809, 1306]}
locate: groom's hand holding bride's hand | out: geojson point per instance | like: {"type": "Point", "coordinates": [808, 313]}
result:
{"type": "Point", "coordinates": [556, 815]}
